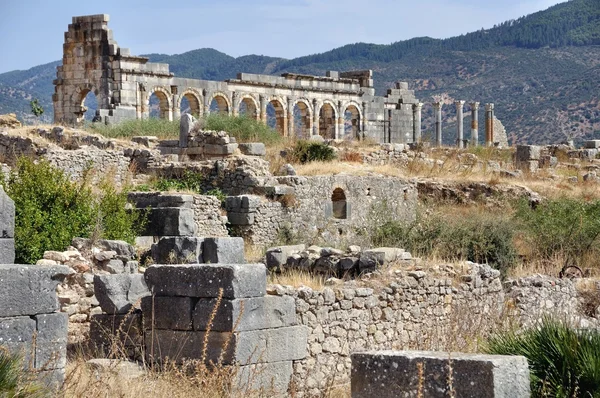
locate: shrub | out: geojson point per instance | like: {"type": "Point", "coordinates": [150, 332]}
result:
{"type": "Point", "coordinates": [50, 210]}
{"type": "Point", "coordinates": [188, 181]}
{"type": "Point", "coordinates": [14, 380]}
{"type": "Point", "coordinates": [309, 151]}
{"type": "Point", "coordinates": [161, 128]}
{"type": "Point", "coordinates": [561, 227]}
{"type": "Point", "coordinates": [243, 128]}
{"type": "Point", "coordinates": [564, 362]}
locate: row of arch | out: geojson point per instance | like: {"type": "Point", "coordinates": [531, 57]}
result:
{"type": "Point", "coordinates": [291, 117]}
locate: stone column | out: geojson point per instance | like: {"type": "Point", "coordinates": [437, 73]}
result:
{"type": "Point", "coordinates": [341, 133]}
{"type": "Point", "coordinates": [290, 118]}
{"type": "Point", "coordinates": [489, 124]}
{"type": "Point", "coordinates": [207, 98]}
{"type": "Point", "coordinates": [417, 122]}
{"type": "Point", "coordinates": [364, 121]}
{"type": "Point", "coordinates": [437, 110]}
{"type": "Point", "coordinates": [474, 123]}
{"type": "Point", "coordinates": [459, 123]}
{"type": "Point", "coordinates": [263, 109]}
{"type": "Point", "coordinates": [316, 111]}
{"type": "Point", "coordinates": [176, 109]}
{"type": "Point", "coordinates": [235, 103]}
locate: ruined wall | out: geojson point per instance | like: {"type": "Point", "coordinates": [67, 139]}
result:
{"type": "Point", "coordinates": [207, 216]}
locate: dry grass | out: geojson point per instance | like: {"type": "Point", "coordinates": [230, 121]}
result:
{"type": "Point", "coordinates": [297, 278]}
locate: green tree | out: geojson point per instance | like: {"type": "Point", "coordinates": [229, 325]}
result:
{"type": "Point", "coordinates": [36, 107]}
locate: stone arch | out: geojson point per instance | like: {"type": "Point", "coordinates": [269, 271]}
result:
{"type": "Point", "coordinates": [252, 107]}
{"type": "Point", "coordinates": [352, 121]}
{"type": "Point", "coordinates": [280, 123]}
{"type": "Point", "coordinates": [164, 102]}
{"type": "Point", "coordinates": [339, 204]}
{"type": "Point", "coordinates": [78, 100]}
{"type": "Point", "coordinates": [303, 116]}
{"type": "Point", "coordinates": [223, 102]}
{"type": "Point", "coordinates": [328, 116]}
{"type": "Point", "coordinates": [194, 98]}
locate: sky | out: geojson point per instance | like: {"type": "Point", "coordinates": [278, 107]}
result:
{"type": "Point", "coordinates": [31, 31]}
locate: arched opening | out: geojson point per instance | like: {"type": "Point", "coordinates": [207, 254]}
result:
{"type": "Point", "coordinates": [327, 121]}
{"type": "Point", "coordinates": [89, 106]}
{"type": "Point", "coordinates": [219, 105]}
{"type": "Point", "coordinates": [190, 103]}
{"type": "Point", "coordinates": [302, 120]}
{"type": "Point", "coordinates": [248, 108]}
{"type": "Point", "coordinates": [351, 123]}
{"type": "Point", "coordinates": [276, 116]}
{"type": "Point", "coordinates": [338, 204]}
{"type": "Point", "coordinates": [159, 105]}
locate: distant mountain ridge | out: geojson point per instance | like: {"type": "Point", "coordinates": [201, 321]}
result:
{"type": "Point", "coordinates": [542, 71]}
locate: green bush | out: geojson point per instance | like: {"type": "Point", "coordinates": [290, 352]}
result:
{"type": "Point", "coordinates": [479, 237]}
{"type": "Point", "coordinates": [309, 151]}
{"type": "Point", "coordinates": [561, 227]}
{"type": "Point", "coordinates": [188, 181]}
{"type": "Point", "coordinates": [564, 362]}
{"type": "Point", "coordinates": [14, 379]}
{"type": "Point", "coordinates": [50, 210]}
{"type": "Point", "coordinates": [243, 128]}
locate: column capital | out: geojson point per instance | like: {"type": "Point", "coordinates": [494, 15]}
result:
{"type": "Point", "coordinates": [474, 105]}
{"type": "Point", "coordinates": [437, 105]}
{"type": "Point", "coordinates": [460, 103]}
{"type": "Point", "coordinates": [417, 105]}
{"type": "Point", "coordinates": [489, 107]}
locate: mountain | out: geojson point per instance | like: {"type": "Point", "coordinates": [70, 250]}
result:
{"type": "Point", "coordinates": [542, 71]}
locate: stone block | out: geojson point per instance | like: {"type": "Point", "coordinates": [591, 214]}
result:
{"type": "Point", "coordinates": [276, 257]}
{"type": "Point", "coordinates": [205, 280]}
{"type": "Point", "coordinates": [118, 293]}
{"type": "Point", "coordinates": [277, 190]}
{"type": "Point", "coordinates": [244, 348]}
{"type": "Point", "coordinates": [529, 166]}
{"type": "Point", "coordinates": [223, 251]}
{"type": "Point", "coordinates": [162, 312]}
{"type": "Point", "coordinates": [7, 251]}
{"type": "Point", "coordinates": [143, 200]}
{"type": "Point", "coordinates": [242, 203]}
{"type": "Point", "coordinates": [592, 144]}
{"type": "Point", "coordinates": [246, 314]}
{"type": "Point", "coordinates": [384, 374]}
{"type": "Point", "coordinates": [51, 341]}
{"type": "Point", "coordinates": [30, 289]}
{"type": "Point", "coordinates": [240, 218]}
{"type": "Point", "coordinates": [272, 379]}
{"type": "Point", "coordinates": [373, 258]}
{"type": "Point", "coordinates": [178, 250]}
{"type": "Point", "coordinates": [169, 221]}
{"type": "Point", "coordinates": [528, 152]}
{"type": "Point", "coordinates": [17, 335]}
{"type": "Point", "coordinates": [7, 215]}
{"type": "Point", "coordinates": [186, 125]}
{"type": "Point", "coordinates": [125, 330]}
{"type": "Point", "coordinates": [253, 149]}
{"type": "Point", "coordinates": [220, 150]}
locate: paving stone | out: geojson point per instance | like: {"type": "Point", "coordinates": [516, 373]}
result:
{"type": "Point", "coordinates": [30, 289]}
{"type": "Point", "coordinates": [383, 374]}
{"type": "Point", "coordinates": [246, 314]}
{"type": "Point", "coordinates": [205, 280]}
{"type": "Point", "coordinates": [223, 251]}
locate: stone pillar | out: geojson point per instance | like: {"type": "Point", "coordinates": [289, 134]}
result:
{"type": "Point", "coordinates": [176, 109]}
{"type": "Point", "coordinates": [316, 110]}
{"type": "Point", "coordinates": [474, 123]}
{"type": "Point", "coordinates": [365, 121]}
{"type": "Point", "coordinates": [459, 124]}
{"type": "Point", "coordinates": [437, 110]}
{"type": "Point", "coordinates": [489, 124]}
{"type": "Point", "coordinates": [235, 104]}
{"type": "Point", "coordinates": [417, 122]}
{"type": "Point", "coordinates": [207, 100]}
{"type": "Point", "coordinates": [341, 130]}
{"type": "Point", "coordinates": [263, 109]}
{"type": "Point", "coordinates": [290, 118]}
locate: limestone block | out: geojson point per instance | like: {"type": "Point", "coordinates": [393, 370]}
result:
{"type": "Point", "coordinates": [30, 289]}
{"type": "Point", "coordinates": [530, 166]}
{"type": "Point", "coordinates": [246, 314]}
{"type": "Point", "coordinates": [51, 341]}
{"type": "Point", "coordinates": [7, 215]}
{"type": "Point", "coordinates": [240, 218]}
{"type": "Point", "coordinates": [169, 221]}
{"type": "Point", "coordinates": [253, 149]}
{"type": "Point", "coordinates": [205, 280]}
{"type": "Point", "coordinates": [223, 251]}
{"type": "Point", "coordinates": [591, 144]}
{"type": "Point", "coordinates": [373, 258]}
{"type": "Point", "coordinates": [279, 190]}
{"type": "Point", "coordinates": [177, 249]}
{"type": "Point", "coordinates": [528, 152]}
{"type": "Point", "coordinates": [383, 374]}
{"type": "Point", "coordinates": [143, 200]}
{"type": "Point", "coordinates": [161, 312]}
{"type": "Point", "coordinates": [249, 347]}
{"type": "Point", "coordinates": [272, 378]}
{"type": "Point", "coordinates": [17, 335]}
{"type": "Point", "coordinates": [7, 251]}
{"type": "Point", "coordinates": [186, 124]}
{"type": "Point", "coordinates": [126, 329]}
{"type": "Point", "coordinates": [242, 203]}
{"type": "Point", "coordinates": [220, 150]}
{"type": "Point", "coordinates": [118, 293]}
{"type": "Point", "coordinates": [277, 256]}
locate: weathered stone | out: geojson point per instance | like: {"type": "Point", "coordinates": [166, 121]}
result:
{"type": "Point", "coordinates": [205, 280]}
{"type": "Point", "coordinates": [223, 251]}
{"type": "Point", "coordinates": [248, 347]}
{"type": "Point", "coordinates": [117, 294]}
{"type": "Point", "coordinates": [17, 335]}
{"type": "Point", "coordinates": [528, 152]}
{"type": "Point", "coordinates": [7, 216]}
{"type": "Point", "coordinates": [385, 374]}
{"type": "Point", "coordinates": [177, 250]}
{"type": "Point", "coordinates": [161, 312]}
{"type": "Point", "coordinates": [144, 200]}
{"type": "Point", "coordinates": [186, 124]}
{"type": "Point", "coordinates": [169, 221]}
{"type": "Point", "coordinates": [373, 258]}
{"type": "Point", "coordinates": [240, 218]}
{"type": "Point", "coordinates": [253, 149]}
{"type": "Point", "coordinates": [246, 314]}
{"type": "Point", "coordinates": [125, 330]}
{"type": "Point", "coordinates": [125, 369]}
{"type": "Point", "coordinates": [277, 256]}
{"type": "Point", "coordinates": [30, 289]}
{"type": "Point", "coordinates": [272, 379]}
{"type": "Point", "coordinates": [220, 150]}
{"type": "Point", "coordinates": [115, 267]}
{"type": "Point", "coordinates": [591, 144]}
{"type": "Point", "coordinates": [7, 251]}
{"type": "Point", "coordinates": [51, 341]}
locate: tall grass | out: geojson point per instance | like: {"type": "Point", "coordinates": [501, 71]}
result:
{"type": "Point", "coordinates": [15, 380]}
{"type": "Point", "coordinates": [161, 128]}
{"type": "Point", "coordinates": [564, 362]}
{"type": "Point", "coordinates": [243, 128]}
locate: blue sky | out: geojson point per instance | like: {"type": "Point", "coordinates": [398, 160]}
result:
{"type": "Point", "coordinates": [31, 31]}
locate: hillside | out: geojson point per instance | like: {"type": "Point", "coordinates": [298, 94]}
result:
{"type": "Point", "coordinates": [541, 71]}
